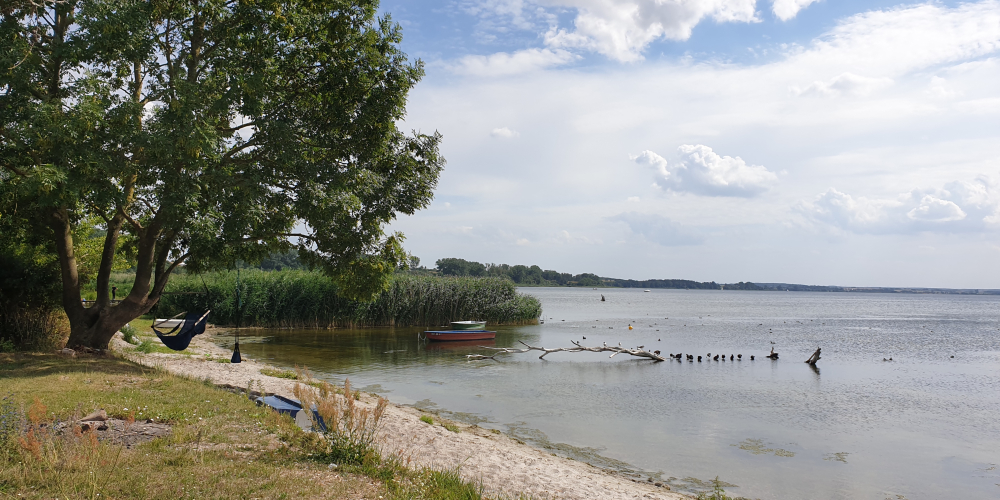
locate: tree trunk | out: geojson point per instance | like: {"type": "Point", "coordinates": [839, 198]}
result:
{"type": "Point", "coordinates": [96, 336]}
{"type": "Point", "coordinates": [95, 326]}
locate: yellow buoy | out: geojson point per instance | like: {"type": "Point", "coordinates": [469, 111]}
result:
{"type": "Point", "coordinates": [629, 327]}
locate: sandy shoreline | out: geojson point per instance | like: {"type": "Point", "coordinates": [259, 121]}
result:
{"type": "Point", "coordinates": [502, 464]}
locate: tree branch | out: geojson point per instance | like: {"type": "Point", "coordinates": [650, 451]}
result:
{"type": "Point", "coordinates": [655, 356]}
{"type": "Point", "coordinates": [16, 170]}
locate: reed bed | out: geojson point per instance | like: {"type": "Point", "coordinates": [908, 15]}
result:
{"type": "Point", "coordinates": [310, 299]}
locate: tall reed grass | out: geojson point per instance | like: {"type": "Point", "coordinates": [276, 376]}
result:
{"type": "Point", "coordinates": [32, 329]}
{"type": "Point", "coordinates": [309, 299]}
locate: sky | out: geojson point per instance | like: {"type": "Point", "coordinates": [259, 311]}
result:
{"type": "Point", "coordinates": [827, 142]}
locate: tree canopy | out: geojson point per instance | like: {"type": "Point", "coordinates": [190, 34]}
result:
{"type": "Point", "coordinates": [200, 132]}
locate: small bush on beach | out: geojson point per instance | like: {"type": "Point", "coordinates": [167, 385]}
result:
{"type": "Point", "coordinates": [130, 334]}
{"type": "Point", "coordinates": [145, 347]}
{"type": "Point", "coordinates": [718, 493]}
{"type": "Point", "coordinates": [350, 428]}
{"type": "Point", "coordinates": [451, 427]}
{"type": "Point", "coordinates": [427, 419]}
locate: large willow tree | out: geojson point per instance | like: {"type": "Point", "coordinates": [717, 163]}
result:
{"type": "Point", "coordinates": [197, 132]}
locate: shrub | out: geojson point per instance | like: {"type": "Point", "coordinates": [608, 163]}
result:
{"type": "Point", "coordinates": [350, 428]}
{"type": "Point", "coordinates": [427, 419]}
{"type": "Point", "coordinates": [129, 333]}
{"type": "Point", "coordinates": [145, 347]}
{"type": "Point", "coordinates": [32, 329]}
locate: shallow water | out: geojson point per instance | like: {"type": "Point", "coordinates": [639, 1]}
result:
{"type": "Point", "coordinates": [924, 426]}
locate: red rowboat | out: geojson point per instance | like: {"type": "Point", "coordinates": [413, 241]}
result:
{"type": "Point", "coordinates": [446, 335]}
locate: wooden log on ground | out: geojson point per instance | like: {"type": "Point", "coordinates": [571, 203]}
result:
{"type": "Point", "coordinates": [614, 350]}
{"type": "Point", "coordinates": [814, 358]}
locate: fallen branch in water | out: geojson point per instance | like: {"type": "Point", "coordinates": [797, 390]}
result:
{"type": "Point", "coordinates": [655, 356]}
{"type": "Point", "coordinates": [814, 358]}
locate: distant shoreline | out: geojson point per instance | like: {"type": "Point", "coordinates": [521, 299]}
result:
{"type": "Point", "coordinates": [775, 287]}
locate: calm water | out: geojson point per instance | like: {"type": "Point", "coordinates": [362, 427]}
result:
{"type": "Point", "coordinates": [925, 426]}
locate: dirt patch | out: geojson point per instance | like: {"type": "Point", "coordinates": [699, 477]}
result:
{"type": "Point", "coordinates": [117, 431]}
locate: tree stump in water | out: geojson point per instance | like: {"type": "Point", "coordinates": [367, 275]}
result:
{"type": "Point", "coordinates": [814, 358]}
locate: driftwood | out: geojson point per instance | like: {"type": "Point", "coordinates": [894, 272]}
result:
{"type": "Point", "coordinates": [639, 352]}
{"type": "Point", "coordinates": [814, 358]}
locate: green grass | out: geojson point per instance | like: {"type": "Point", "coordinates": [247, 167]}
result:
{"type": "Point", "coordinates": [427, 419]}
{"type": "Point", "coordinates": [221, 446]}
{"type": "Point", "coordinates": [274, 372]}
{"type": "Point", "coordinates": [451, 427]}
{"type": "Point", "coordinates": [309, 299]}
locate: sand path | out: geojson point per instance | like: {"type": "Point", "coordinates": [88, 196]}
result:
{"type": "Point", "coordinates": [502, 464]}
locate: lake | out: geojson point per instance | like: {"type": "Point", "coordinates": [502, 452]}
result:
{"type": "Point", "coordinates": [925, 425]}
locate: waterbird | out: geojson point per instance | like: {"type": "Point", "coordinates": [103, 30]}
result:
{"type": "Point", "coordinates": [656, 353]}
{"type": "Point", "coordinates": [716, 358]}
{"type": "Point", "coordinates": [640, 347]}
{"type": "Point", "coordinates": [584, 337]}
{"type": "Point", "coordinates": [699, 359]}
{"type": "Point", "coordinates": [751, 357]}
{"type": "Point", "coordinates": [605, 344]}
{"type": "Point", "coordinates": [730, 357]}
{"type": "Point", "coordinates": [739, 356]}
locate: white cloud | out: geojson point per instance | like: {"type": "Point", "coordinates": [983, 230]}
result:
{"type": "Point", "coordinates": [506, 64]}
{"type": "Point", "coordinates": [702, 171]}
{"type": "Point", "coordinates": [621, 29]}
{"type": "Point", "coordinates": [906, 38]}
{"type": "Point", "coordinates": [658, 229]}
{"type": "Point", "coordinates": [787, 9]}
{"type": "Point", "coordinates": [504, 133]}
{"type": "Point", "coordinates": [933, 209]}
{"type": "Point", "coordinates": [845, 84]}
{"type": "Point", "coordinates": [938, 210]}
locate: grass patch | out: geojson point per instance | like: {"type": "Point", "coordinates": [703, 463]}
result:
{"type": "Point", "coordinates": [221, 444]}
{"type": "Point", "coordinates": [451, 427]}
{"type": "Point", "coordinates": [274, 372]}
{"type": "Point", "coordinates": [427, 419]}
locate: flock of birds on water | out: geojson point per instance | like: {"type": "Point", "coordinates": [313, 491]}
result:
{"type": "Point", "coordinates": [708, 357]}
{"type": "Point", "coordinates": [691, 357]}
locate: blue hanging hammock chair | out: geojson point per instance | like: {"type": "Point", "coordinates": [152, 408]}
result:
{"type": "Point", "coordinates": [185, 331]}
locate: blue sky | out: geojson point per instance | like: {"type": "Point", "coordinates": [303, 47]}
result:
{"type": "Point", "coordinates": [824, 142]}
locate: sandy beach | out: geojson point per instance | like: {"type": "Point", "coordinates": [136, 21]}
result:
{"type": "Point", "coordinates": [503, 465]}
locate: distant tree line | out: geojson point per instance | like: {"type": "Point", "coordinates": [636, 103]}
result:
{"type": "Point", "coordinates": [522, 275]}
{"type": "Point", "coordinates": [536, 276]}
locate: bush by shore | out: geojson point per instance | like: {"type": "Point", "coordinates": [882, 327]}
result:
{"type": "Point", "coordinates": [294, 298]}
